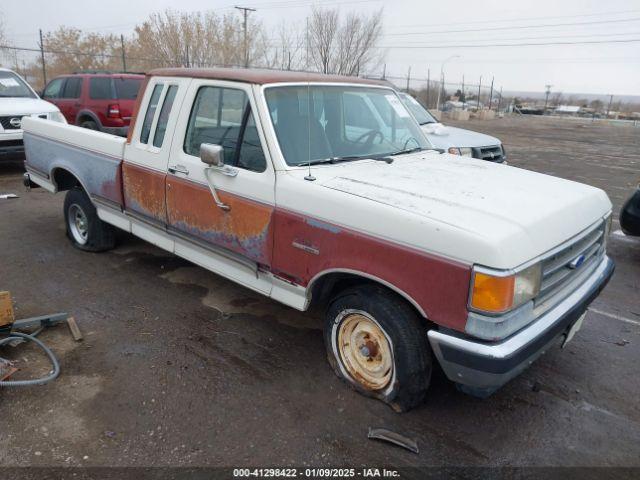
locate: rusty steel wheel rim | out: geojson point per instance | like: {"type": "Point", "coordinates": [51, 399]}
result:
{"type": "Point", "coordinates": [365, 351]}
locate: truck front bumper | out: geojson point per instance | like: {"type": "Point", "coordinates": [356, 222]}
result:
{"type": "Point", "coordinates": [11, 146]}
{"type": "Point", "coordinates": [482, 367]}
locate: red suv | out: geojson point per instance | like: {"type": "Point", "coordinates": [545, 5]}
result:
{"type": "Point", "coordinates": [99, 101]}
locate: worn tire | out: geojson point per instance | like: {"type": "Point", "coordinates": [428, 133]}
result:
{"type": "Point", "coordinates": [80, 217]}
{"type": "Point", "coordinates": [89, 124]}
{"type": "Point", "coordinates": [405, 332]}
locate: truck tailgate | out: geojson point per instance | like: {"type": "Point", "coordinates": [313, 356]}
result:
{"type": "Point", "coordinates": [94, 158]}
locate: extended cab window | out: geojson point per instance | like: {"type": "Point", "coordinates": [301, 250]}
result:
{"type": "Point", "coordinates": [101, 88]}
{"type": "Point", "coordinates": [151, 111]}
{"type": "Point", "coordinates": [163, 119]}
{"type": "Point", "coordinates": [54, 89]}
{"type": "Point", "coordinates": [222, 116]}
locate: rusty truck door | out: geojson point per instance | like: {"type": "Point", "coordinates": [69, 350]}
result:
{"type": "Point", "coordinates": [241, 222]}
{"type": "Point", "coordinates": [145, 167]}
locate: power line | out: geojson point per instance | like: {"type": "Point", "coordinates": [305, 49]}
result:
{"type": "Point", "coordinates": [401, 47]}
{"type": "Point", "coordinates": [488, 29]}
{"type": "Point", "coordinates": [498, 39]}
{"type": "Point", "coordinates": [498, 20]}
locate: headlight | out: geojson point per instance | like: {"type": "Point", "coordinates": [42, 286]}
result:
{"type": "Point", "coordinates": [464, 151]}
{"type": "Point", "coordinates": [494, 292]}
{"type": "Point", "coordinates": [57, 117]}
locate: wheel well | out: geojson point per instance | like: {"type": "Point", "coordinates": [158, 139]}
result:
{"type": "Point", "coordinates": [328, 285]}
{"type": "Point", "coordinates": [84, 118]}
{"type": "Point", "coordinates": [65, 180]}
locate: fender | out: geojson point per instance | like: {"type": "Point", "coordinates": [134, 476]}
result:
{"type": "Point", "coordinates": [88, 113]}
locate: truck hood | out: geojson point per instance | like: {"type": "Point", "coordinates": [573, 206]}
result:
{"type": "Point", "coordinates": [25, 106]}
{"type": "Point", "coordinates": [511, 214]}
{"type": "Point", "coordinates": [442, 136]}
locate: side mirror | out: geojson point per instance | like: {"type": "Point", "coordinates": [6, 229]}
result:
{"type": "Point", "coordinates": [212, 154]}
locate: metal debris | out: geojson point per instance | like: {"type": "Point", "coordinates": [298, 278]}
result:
{"type": "Point", "coordinates": [393, 437]}
{"type": "Point", "coordinates": [5, 196]}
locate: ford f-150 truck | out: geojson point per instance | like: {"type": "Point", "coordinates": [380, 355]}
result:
{"type": "Point", "coordinates": [322, 191]}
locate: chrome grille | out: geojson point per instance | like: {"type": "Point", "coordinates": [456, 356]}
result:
{"type": "Point", "coordinates": [492, 153]}
{"type": "Point", "coordinates": [562, 265]}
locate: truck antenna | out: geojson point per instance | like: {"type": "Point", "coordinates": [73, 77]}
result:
{"type": "Point", "coordinates": [309, 176]}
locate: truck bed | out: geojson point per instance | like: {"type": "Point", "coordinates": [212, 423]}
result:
{"type": "Point", "coordinates": [94, 158]}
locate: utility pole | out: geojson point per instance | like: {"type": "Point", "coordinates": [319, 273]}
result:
{"type": "Point", "coordinates": [124, 58]}
{"type": "Point", "coordinates": [408, 78]}
{"type": "Point", "coordinates": [609, 107]}
{"type": "Point", "coordinates": [479, 86]}
{"type": "Point", "coordinates": [44, 68]}
{"type": "Point", "coordinates": [463, 95]}
{"type": "Point", "coordinates": [187, 59]}
{"type": "Point", "coordinates": [384, 72]}
{"type": "Point", "coordinates": [491, 93]}
{"type": "Point", "coordinates": [245, 12]}
{"type": "Point", "coordinates": [428, 84]}
{"type": "Point", "coordinates": [500, 99]}
{"type": "Point", "coordinates": [546, 97]}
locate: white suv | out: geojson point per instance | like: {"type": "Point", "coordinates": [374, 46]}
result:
{"type": "Point", "coordinates": [17, 100]}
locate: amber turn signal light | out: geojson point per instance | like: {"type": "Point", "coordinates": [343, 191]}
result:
{"type": "Point", "coordinates": [492, 294]}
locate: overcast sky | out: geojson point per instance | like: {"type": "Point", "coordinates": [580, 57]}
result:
{"type": "Point", "coordinates": [453, 27]}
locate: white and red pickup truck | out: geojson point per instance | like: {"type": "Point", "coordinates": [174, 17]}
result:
{"type": "Point", "coordinates": [322, 191]}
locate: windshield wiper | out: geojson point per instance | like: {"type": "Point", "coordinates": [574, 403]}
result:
{"type": "Point", "coordinates": [333, 160]}
{"type": "Point", "coordinates": [407, 150]}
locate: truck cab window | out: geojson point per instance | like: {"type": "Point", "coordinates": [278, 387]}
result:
{"type": "Point", "coordinates": [151, 111]}
{"type": "Point", "coordinates": [222, 116]}
{"type": "Point", "coordinates": [251, 155]}
{"type": "Point", "coordinates": [163, 119]}
{"type": "Point", "coordinates": [216, 118]}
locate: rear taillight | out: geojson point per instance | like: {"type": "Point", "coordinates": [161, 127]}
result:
{"type": "Point", "coordinates": [113, 111]}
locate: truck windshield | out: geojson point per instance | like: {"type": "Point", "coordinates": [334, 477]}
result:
{"type": "Point", "coordinates": [317, 123]}
{"type": "Point", "coordinates": [13, 86]}
{"type": "Point", "coordinates": [422, 114]}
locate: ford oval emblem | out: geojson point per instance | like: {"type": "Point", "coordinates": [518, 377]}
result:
{"type": "Point", "coordinates": [15, 122]}
{"type": "Point", "coordinates": [576, 262]}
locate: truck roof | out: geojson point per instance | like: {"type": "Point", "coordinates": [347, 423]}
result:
{"type": "Point", "coordinates": [260, 76]}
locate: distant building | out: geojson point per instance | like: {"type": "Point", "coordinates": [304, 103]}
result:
{"type": "Point", "coordinates": [567, 110]}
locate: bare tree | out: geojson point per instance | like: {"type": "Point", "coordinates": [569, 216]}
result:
{"type": "Point", "coordinates": [199, 39]}
{"type": "Point", "coordinates": [346, 47]}
{"type": "Point", "coordinates": [323, 33]}
{"type": "Point", "coordinates": [287, 53]}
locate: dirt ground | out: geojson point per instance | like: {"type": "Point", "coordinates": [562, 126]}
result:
{"type": "Point", "coordinates": [182, 367]}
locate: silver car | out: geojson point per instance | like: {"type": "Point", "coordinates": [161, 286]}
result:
{"type": "Point", "coordinates": [455, 140]}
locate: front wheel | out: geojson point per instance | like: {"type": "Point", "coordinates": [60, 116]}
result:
{"type": "Point", "coordinates": [84, 228]}
{"type": "Point", "coordinates": [378, 344]}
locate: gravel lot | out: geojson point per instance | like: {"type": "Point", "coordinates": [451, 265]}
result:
{"type": "Point", "coordinates": [182, 367]}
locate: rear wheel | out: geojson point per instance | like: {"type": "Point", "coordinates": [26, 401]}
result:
{"type": "Point", "coordinates": [90, 124]}
{"type": "Point", "coordinates": [378, 344]}
{"type": "Point", "coordinates": [84, 228]}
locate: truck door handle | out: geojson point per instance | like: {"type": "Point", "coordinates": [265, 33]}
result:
{"type": "Point", "coordinates": [178, 169]}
